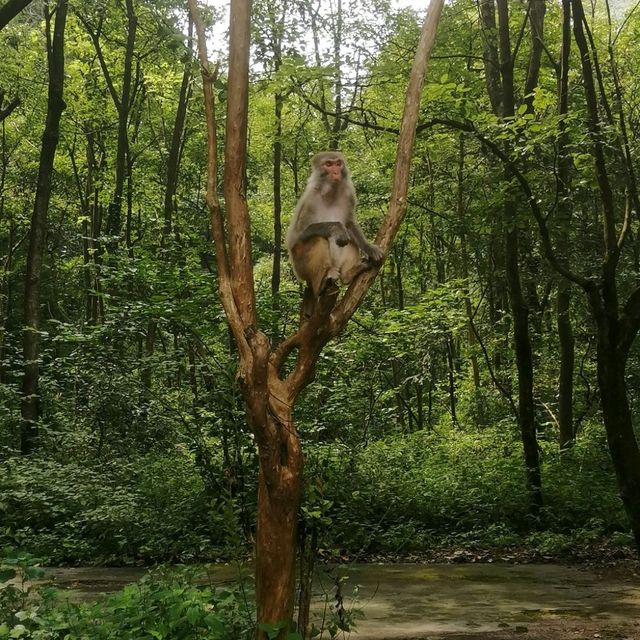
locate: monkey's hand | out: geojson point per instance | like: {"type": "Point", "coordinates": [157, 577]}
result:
{"type": "Point", "coordinates": [375, 254]}
{"type": "Point", "coordinates": [341, 235]}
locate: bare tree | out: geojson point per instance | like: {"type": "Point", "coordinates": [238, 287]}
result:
{"type": "Point", "coordinates": [270, 392]}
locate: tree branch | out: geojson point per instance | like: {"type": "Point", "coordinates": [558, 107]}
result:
{"type": "Point", "coordinates": [531, 199]}
{"type": "Point", "coordinates": [398, 202]}
{"type": "Point", "coordinates": [10, 9]}
{"type": "Point", "coordinates": [213, 203]}
{"type": "Point", "coordinates": [235, 158]}
{"type": "Point", "coordinates": [95, 38]}
{"type": "Point", "coordinates": [8, 110]}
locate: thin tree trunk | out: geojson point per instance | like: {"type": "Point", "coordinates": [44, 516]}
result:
{"type": "Point", "coordinates": [173, 160]}
{"type": "Point", "coordinates": [114, 215]}
{"type": "Point", "coordinates": [519, 308]}
{"type": "Point", "coordinates": [308, 552]}
{"type": "Point", "coordinates": [475, 369]}
{"type": "Point", "coordinates": [563, 301]}
{"type": "Point", "coordinates": [86, 230]}
{"type": "Point", "coordinates": [277, 196]}
{"type": "Point", "coordinates": [336, 129]}
{"type": "Point", "coordinates": [452, 379]}
{"type": "Point", "coordinates": [30, 408]}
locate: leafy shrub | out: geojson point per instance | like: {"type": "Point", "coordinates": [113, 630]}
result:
{"type": "Point", "coordinates": [460, 487]}
{"type": "Point", "coordinates": [152, 508]}
{"type": "Point", "coordinates": [163, 606]}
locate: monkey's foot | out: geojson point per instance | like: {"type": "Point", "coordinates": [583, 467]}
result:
{"type": "Point", "coordinates": [329, 285]}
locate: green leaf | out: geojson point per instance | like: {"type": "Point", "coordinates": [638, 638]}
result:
{"type": "Point", "coordinates": [215, 624]}
{"type": "Point", "coordinates": [294, 636]}
{"type": "Point", "coordinates": [7, 574]}
{"type": "Point", "coordinates": [272, 630]}
{"type": "Point", "coordinates": [193, 615]}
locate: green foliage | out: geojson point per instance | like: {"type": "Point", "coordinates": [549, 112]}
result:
{"type": "Point", "coordinates": [426, 490]}
{"type": "Point", "coordinates": [402, 494]}
{"type": "Point", "coordinates": [150, 509]}
{"type": "Point", "coordinates": [19, 569]}
{"type": "Point", "coordinates": [163, 605]}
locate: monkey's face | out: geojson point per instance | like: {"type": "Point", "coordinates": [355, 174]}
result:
{"type": "Point", "coordinates": [333, 169]}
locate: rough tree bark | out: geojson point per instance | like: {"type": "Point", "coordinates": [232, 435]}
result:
{"type": "Point", "coordinates": [270, 393]}
{"type": "Point", "coordinates": [30, 407]}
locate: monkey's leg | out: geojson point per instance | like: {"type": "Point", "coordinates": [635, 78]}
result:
{"type": "Point", "coordinates": [326, 274]}
{"type": "Point", "coordinates": [308, 303]}
{"type": "Point", "coordinates": [350, 263]}
{"type": "Point", "coordinates": [312, 263]}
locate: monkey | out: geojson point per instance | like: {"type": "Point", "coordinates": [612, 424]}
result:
{"type": "Point", "coordinates": [324, 239]}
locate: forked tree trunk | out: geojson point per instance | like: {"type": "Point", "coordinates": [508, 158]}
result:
{"type": "Point", "coordinates": [270, 393]}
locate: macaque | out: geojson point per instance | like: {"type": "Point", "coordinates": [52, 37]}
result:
{"type": "Point", "coordinates": [324, 240]}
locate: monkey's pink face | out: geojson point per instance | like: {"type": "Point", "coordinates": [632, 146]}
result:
{"type": "Point", "coordinates": [333, 169]}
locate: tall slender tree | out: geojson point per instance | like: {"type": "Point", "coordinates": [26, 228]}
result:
{"type": "Point", "coordinates": [501, 89]}
{"type": "Point", "coordinates": [30, 408]}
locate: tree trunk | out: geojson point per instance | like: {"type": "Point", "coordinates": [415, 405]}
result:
{"type": "Point", "coordinates": [452, 379]}
{"type": "Point", "coordinates": [334, 141]}
{"type": "Point", "coordinates": [616, 412]}
{"type": "Point", "coordinates": [114, 215]}
{"type": "Point", "coordinates": [519, 308]}
{"type": "Point", "coordinates": [269, 392]}
{"type": "Point", "coordinates": [563, 303]}
{"type": "Point", "coordinates": [567, 362]}
{"type": "Point", "coordinates": [30, 408]}
{"type": "Point", "coordinates": [173, 160]}
{"type": "Point", "coordinates": [308, 553]}
{"type": "Point", "coordinates": [279, 487]}
{"type": "Point", "coordinates": [524, 363]}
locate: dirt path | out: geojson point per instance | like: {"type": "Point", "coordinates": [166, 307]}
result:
{"type": "Point", "coordinates": [456, 602]}
{"type": "Point", "coordinates": [494, 601]}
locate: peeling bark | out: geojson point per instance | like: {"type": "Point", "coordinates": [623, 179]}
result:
{"type": "Point", "coordinates": [270, 394]}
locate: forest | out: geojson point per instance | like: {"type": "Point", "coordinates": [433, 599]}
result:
{"type": "Point", "coordinates": [164, 397]}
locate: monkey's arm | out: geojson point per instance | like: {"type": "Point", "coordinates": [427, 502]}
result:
{"type": "Point", "coordinates": [372, 251]}
{"type": "Point", "coordinates": [327, 230]}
